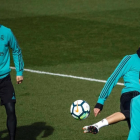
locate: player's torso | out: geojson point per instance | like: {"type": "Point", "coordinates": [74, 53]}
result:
{"type": "Point", "coordinates": [131, 78]}
{"type": "Point", "coordinates": [4, 50]}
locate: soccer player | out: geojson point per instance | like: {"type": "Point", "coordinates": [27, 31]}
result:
{"type": "Point", "coordinates": [128, 68]}
{"type": "Point", "coordinates": [7, 93]}
{"type": "Point", "coordinates": [134, 133]}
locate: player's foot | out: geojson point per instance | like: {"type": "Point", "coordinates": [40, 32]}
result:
{"type": "Point", "coordinates": [91, 129]}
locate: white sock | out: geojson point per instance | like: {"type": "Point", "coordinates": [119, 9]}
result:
{"type": "Point", "coordinates": [101, 123]}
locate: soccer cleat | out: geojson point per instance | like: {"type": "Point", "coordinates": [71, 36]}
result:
{"type": "Point", "coordinates": [91, 129]}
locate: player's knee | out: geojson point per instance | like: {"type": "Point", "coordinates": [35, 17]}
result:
{"type": "Point", "coordinates": [10, 109]}
{"type": "Point", "coordinates": [125, 114]}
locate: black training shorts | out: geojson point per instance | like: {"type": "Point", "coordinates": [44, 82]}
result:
{"type": "Point", "coordinates": [125, 102]}
{"type": "Point", "coordinates": [7, 93]}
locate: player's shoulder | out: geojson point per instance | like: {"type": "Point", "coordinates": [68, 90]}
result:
{"type": "Point", "coordinates": [4, 28]}
{"type": "Point", "coordinates": [131, 58]}
{"type": "Point", "coordinates": [127, 57]}
{"type": "Point", "coordinates": [134, 56]}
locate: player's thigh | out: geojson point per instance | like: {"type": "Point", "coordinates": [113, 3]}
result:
{"type": "Point", "coordinates": [125, 105]}
{"type": "Point", "coordinates": [135, 113]}
{"type": "Point", "coordinates": [134, 134]}
{"type": "Point", "coordinates": [7, 91]}
{"type": "Point", "coordinates": [126, 101]}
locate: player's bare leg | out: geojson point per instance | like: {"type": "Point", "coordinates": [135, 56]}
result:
{"type": "Point", "coordinates": [116, 117]}
{"type": "Point", "coordinates": [94, 128]}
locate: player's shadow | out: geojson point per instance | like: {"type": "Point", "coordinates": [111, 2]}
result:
{"type": "Point", "coordinates": [30, 132]}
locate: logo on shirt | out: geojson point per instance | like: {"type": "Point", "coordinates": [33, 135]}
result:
{"type": "Point", "coordinates": [2, 37]}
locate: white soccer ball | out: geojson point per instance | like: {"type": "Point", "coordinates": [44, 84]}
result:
{"type": "Point", "coordinates": [80, 109]}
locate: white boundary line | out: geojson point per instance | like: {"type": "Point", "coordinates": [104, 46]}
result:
{"type": "Point", "coordinates": [63, 75]}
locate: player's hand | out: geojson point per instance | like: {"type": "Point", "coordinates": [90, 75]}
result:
{"type": "Point", "coordinates": [96, 111]}
{"type": "Point", "coordinates": [19, 79]}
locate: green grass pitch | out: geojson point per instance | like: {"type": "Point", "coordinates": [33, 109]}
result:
{"type": "Point", "coordinates": [73, 37]}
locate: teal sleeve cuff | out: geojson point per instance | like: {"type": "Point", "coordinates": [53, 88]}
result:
{"type": "Point", "coordinates": [19, 73]}
{"type": "Point", "coordinates": [101, 101]}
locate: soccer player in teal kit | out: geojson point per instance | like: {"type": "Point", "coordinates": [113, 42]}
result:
{"type": "Point", "coordinates": [7, 93]}
{"type": "Point", "coordinates": [129, 69]}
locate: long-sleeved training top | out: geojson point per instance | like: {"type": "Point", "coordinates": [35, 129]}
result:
{"type": "Point", "coordinates": [7, 39]}
{"type": "Point", "coordinates": [129, 69]}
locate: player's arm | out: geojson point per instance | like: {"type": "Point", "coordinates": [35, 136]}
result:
{"type": "Point", "coordinates": [17, 57]}
{"type": "Point", "coordinates": [120, 70]}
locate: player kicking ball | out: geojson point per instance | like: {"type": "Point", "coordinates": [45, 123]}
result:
{"type": "Point", "coordinates": [129, 69]}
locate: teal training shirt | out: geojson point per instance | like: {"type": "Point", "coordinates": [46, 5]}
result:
{"type": "Point", "coordinates": [7, 39]}
{"type": "Point", "coordinates": [129, 69]}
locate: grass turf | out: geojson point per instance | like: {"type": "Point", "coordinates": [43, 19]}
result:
{"type": "Point", "coordinates": [82, 38]}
